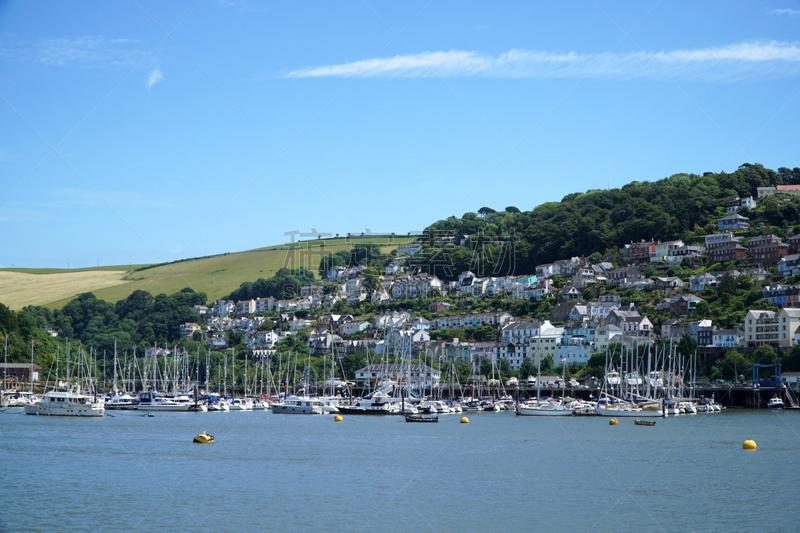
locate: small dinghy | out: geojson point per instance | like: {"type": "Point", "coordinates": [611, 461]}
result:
{"type": "Point", "coordinates": [645, 422]}
{"type": "Point", "coordinates": [420, 418]}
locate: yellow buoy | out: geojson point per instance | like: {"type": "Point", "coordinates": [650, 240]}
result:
{"type": "Point", "coordinates": [338, 418]}
{"type": "Point", "coordinates": [613, 422]}
{"type": "Point", "coordinates": [464, 420]}
{"type": "Point", "coordinates": [749, 445]}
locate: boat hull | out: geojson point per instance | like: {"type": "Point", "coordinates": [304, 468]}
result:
{"type": "Point", "coordinates": [76, 410]}
{"type": "Point", "coordinates": [638, 413]}
{"type": "Point", "coordinates": [544, 411]}
{"type": "Point", "coordinates": [364, 411]}
{"type": "Point", "coordinates": [279, 409]}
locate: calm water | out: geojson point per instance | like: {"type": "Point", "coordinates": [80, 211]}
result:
{"type": "Point", "coordinates": [500, 472]}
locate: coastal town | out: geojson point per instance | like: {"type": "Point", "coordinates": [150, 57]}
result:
{"type": "Point", "coordinates": [585, 305]}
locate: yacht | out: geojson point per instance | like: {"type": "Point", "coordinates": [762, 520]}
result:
{"type": "Point", "coordinates": [67, 403]}
{"type": "Point", "coordinates": [376, 405]}
{"type": "Point", "coordinates": [122, 401]}
{"type": "Point", "coordinates": [193, 405]}
{"type": "Point", "coordinates": [153, 401]}
{"type": "Point", "coordinates": [298, 405]}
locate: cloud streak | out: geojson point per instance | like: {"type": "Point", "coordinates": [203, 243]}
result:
{"type": "Point", "coordinates": [154, 77]}
{"type": "Point", "coordinates": [729, 62]}
{"type": "Point", "coordinates": [84, 51]}
{"type": "Point", "coordinates": [785, 12]}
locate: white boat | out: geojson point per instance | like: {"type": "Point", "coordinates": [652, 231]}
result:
{"type": "Point", "coordinates": [775, 403]}
{"type": "Point", "coordinates": [153, 401]}
{"type": "Point", "coordinates": [612, 378]}
{"type": "Point", "coordinates": [298, 405]}
{"type": "Point", "coordinates": [376, 405]}
{"type": "Point", "coordinates": [56, 403]}
{"type": "Point", "coordinates": [648, 411]}
{"type": "Point", "coordinates": [122, 402]}
{"type": "Point", "coordinates": [655, 380]}
{"type": "Point", "coordinates": [241, 404]}
{"type": "Point", "coordinates": [545, 408]}
{"type": "Point", "coordinates": [632, 379]}
{"type": "Point", "coordinates": [688, 408]}
{"type": "Point", "coordinates": [259, 404]}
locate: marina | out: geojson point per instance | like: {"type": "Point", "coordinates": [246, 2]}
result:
{"type": "Point", "coordinates": [366, 471]}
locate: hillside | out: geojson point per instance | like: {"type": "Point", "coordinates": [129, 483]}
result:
{"type": "Point", "coordinates": [683, 206]}
{"type": "Point", "coordinates": [215, 275]}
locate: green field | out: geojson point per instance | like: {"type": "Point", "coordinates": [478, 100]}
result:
{"type": "Point", "coordinates": [215, 275]}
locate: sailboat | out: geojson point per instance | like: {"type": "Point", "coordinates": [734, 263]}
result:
{"type": "Point", "coordinates": [550, 407]}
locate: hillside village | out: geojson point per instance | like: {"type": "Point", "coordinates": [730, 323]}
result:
{"type": "Point", "coordinates": [577, 307]}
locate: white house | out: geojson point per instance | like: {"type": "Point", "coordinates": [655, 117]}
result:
{"type": "Point", "coordinates": [699, 282]}
{"type": "Point", "coordinates": [224, 308]}
{"type": "Point", "coordinates": [727, 338]}
{"type": "Point", "coordinates": [416, 375]}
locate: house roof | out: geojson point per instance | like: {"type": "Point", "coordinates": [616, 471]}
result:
{"type": "Point", "coordinates": [734, 217]}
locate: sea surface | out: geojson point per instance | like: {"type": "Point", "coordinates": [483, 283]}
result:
{"type": "Point", "coordinates": [499, 472]}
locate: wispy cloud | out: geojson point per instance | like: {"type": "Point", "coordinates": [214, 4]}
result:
{"type": "Point", "coordinates": [154, 77]}
{"type": "Point", "coordinates": [112, 198]}
{"type": "Point", "coordinates": [12, 214]}
{"type": "Point", "coordinates": [84, 51]}
{"type": "Point", "coordinates": [721, 63]}
{"type": "Point", "coordinates": [785, 12]}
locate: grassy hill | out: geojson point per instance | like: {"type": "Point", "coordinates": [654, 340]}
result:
{"type": "Point", "coordinates": [215, 275]}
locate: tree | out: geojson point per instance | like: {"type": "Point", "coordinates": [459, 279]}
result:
{"type": "Point", "coordinates": [527, 368]}
{"type": "Point", "coordinates": [701, 310]}
{"type": "Point", "coordinates": [329, 287]}
{"type": "Point", "coordinates": [732, 365]}
{"type": "Point", "coordinates": [727, 285]}
{"type": "Point", "coordinates": [547, 365]}
{"type": "Point", "coordinates": [687, 345]}
{"type": "Point", "coordinates": [371, 281]}
{"type": "Point", "coordinates": [595, 258]}
{"type": "Point", "coordinates": [513, 210]}
{"type": "Point", "coordinates": [486, 211]}
{"type": "Point", "coordinates": [486, 367]}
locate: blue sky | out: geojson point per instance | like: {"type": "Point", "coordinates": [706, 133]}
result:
{"type": "Point", "coordinates": [136, 132]}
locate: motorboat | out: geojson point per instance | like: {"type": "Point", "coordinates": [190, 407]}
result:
{"type": "Point", "coordinates": [632, 379]}
{"type": "Point", "coordinates": [65, 403]}
{"type": "Point", "coordinates": [153, 401]}
{"type": "Point", "coordinates": [241, 404]}
{"type": "Point", "coordinates": [376, 405]}
{"type": "Point", "coordinates": [122, 402]}
{"type": "Point", "coordinates": [298, 405]}
{"type": "Point", "coordinates": [775, 403]}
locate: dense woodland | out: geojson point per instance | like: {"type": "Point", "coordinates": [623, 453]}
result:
{"type": "Point", "coordinates": [683, 206]}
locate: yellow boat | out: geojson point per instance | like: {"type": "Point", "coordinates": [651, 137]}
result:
{"type": "Point", "coordinates": [204, 438]}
